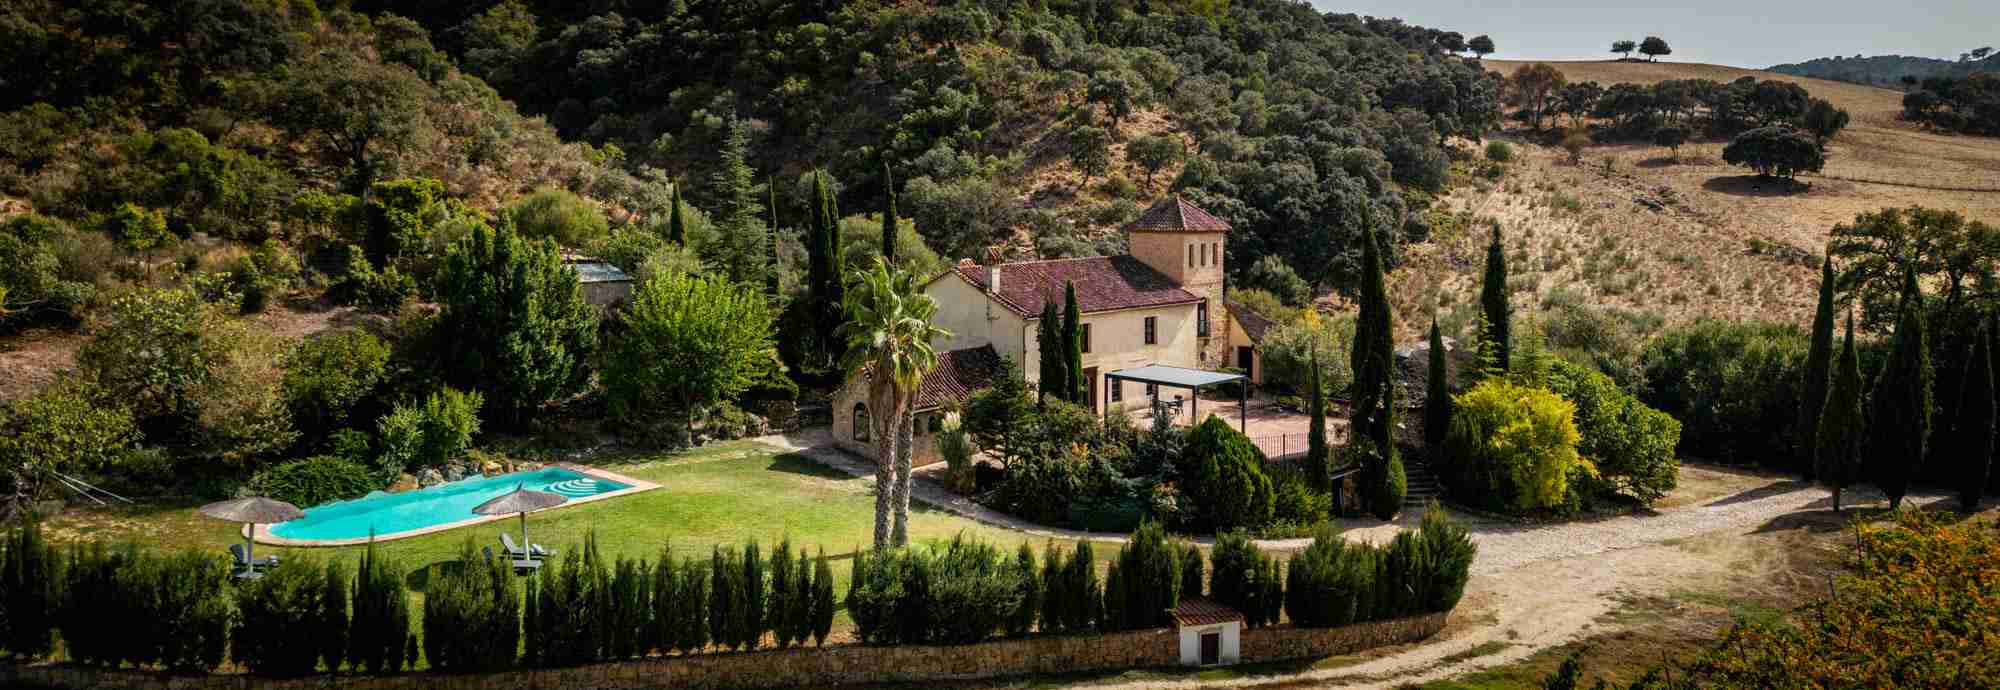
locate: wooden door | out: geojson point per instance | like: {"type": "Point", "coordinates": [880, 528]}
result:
{"type": "Point", "coordinates": [1211, 648]}
{"type": "Point", "coordinates": [1090, 375]}
{"type": "Point", "coordinates": [1246, 359]}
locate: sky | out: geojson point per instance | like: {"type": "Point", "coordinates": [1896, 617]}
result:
{"type": "Point", "coordinates": [1739, 33]}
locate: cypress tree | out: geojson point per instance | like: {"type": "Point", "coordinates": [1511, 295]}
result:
{"type": "Point", "coordinates": [1022, 620]}
{"type": "Point", "coordinates": [752, 597]}
{"type": "Point", "coordinates": [1819, 369]}
{"type": "Point", "coordinates": [676, 224]}
{"type": "Point", "coordinates": [1049, 346]}
{"type": "Point", "coordinates": [778, 610]}
{"type": "Point", "coordinates": [1493, 298]}
{"type": "Point", "coordinates": [1900, 418]}
{"type": "Point", "coordinates": [777, 266]}
{"type": "Point", "coordinates": [827, 286]}
{"type": "Point", "coordinates": [1374, 395]}
{"type": "Point", "coordinates": [331, 619]}
{"type": "Point", "coordinates": [29, 593]}
{"type": "Point", "coordinates": [666, 603]}
{"type": "Point", "coordinates": [721, 606]}
{"type": "Point", "coordinates": [888, 213]}
{"type": "Point", "coordinates": [1055, 590]}
{"type": "Point", "coordinates": [1837, 446]}
{"type": "Point", "coordinates": [693, 614]}
{"type": "Point", "coordinates": [804, 587]}
{"type": "Point", "coordinates": [1437, 395]}
{"type": "Point", "coordinates": [822, 602]}
{"type": "Point", "coordinates": [1192, 575]}
{"type": "Point", "coordinates": [1318, 456]}
{"type": "Point", "coordinates": [1976, 420]}
{"type": "Point", "coordinates": [1072, 332]}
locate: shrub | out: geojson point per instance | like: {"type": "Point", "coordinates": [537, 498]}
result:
{"type": "Point", "coordinates": [315, 480]}
{"type": "Point", "coordinates": [1499, 152]}
{"type": "Point", "coordinates": [30, 593]}
{"type": "Point", "coordinates": [1223, 472]}
{"type": "Point", "coordinates": [1235, 562]}
{"type": "Point", "coordinates": [519, 330]}
{"type": "Point", "coordinates": [472, 614]}
{"type": "Point", "coordinates": [1387, 485]}
{"type": "Point", "coordinates": [955, 446]}
{"type": "Point", "coordinates": [429, 435]}
{"type": "Point", "coordinates": [330, 629]}
{"type": "Point", "coordinates": [1325, 582]}
{"type": "Point", "coordinates": [63, 428]}
{"type": "Point", "coordinates": [1022, 619]}
{"type": "Point", "coordinates": [186, 611]}
{"type": "Point", "coordinates": [1735, 387]}
{"type": "Point", "coordinates": [959, 592]}
{"type": "Point", "coordinates": [1512, 448]}
{"type": "Point", "coordinates": [153, 350]}
{"type": "Point", "coordinates": [276, 635]}
{"type": "Point", "coordinates": [328, 376]}
{"type": "Point", "coordinates": [560, 215]}
{"type": "Point", "coordinates": [1295, 501]}
{"type": "Point", "coordinates": [379, 628]}
{"type": "Point", "coordinates": [1288, 353]}
{"type": "Point", "coordinates": [1150, 586]}
{"type": "Point", "coordinates": [97, 603]}
{"type": "Point", "coordinates": [1631, 445]}
{"type": "Point", "coordinates": [1446, 552]}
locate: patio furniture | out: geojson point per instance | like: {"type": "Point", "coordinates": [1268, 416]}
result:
{"type": "Point", "coordinates": [534, 551]}
{"type": "Point", "coordinates": [253, 511]}
{"type": "Point", "coordinates": [521, 501]}
{"type": "Point", "coordinates": [242, 558]}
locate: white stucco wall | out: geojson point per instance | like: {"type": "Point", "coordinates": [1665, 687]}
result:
{"type": "Point", "coordinates": [1118, 341]}
{"type": "Point", "coordinates": [975, 319]}
{"type": "Point", "coordinates": [1232, 643]}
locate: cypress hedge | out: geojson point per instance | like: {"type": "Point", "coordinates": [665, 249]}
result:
{"type": "Point", "coordinates": [1901, 412]}
{"type": "Point", "coordinates": [277, 633]}
{"type": "Point", "coordinates": [379, 629]}
{"type": "Point", "coordinates": [822, 601]}
{"type": "Point", "coordinates": [1150, 567]}
{"type": "Point", "coordinates": [29, 594]}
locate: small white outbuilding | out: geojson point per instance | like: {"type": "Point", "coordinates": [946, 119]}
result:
{"type": "Point", "coordinates": [1211, 634]}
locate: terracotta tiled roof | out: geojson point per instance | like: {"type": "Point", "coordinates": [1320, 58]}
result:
{"type": "Point", "coordinates": [1177, 215]}
{"type": "Point", "coordinates": [1103, 283]}
{"type": "Point", "coordinates": [1203, 611]}
{"type": "Point", "coordinates": [1254, 324]}
{"type": "Point", "coordinates": [958, 374]}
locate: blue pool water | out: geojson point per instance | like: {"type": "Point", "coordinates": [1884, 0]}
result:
{"type": "Point", "coordinates": [388, 513]}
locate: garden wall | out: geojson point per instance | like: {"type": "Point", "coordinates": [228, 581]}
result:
{"type": "Point", "coordinates": [849, 664]}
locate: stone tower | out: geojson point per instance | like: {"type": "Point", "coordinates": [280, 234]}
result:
{"type": "Point", "coordinates": [1189, 245]}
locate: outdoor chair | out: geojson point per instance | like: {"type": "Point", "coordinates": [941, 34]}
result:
{"type": "Point", "coordinates": [241, 556]}
{"type": "Point", "coordinates": [514, 551]}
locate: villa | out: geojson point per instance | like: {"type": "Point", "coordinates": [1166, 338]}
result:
{"type": "Point", "coordinates": [1162, 304]}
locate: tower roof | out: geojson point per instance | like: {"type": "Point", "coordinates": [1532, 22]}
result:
{"type": "Point", "coordinates": [1177, 215]}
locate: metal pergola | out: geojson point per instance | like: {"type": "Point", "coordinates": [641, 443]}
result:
{"type": "Point", "coordinates": [1193, 380]}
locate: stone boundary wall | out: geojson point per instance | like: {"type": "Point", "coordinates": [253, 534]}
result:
{"type": "Point", "coordinates": [840, 665]}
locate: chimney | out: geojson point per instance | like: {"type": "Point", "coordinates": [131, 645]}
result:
{"type": "Point", "coordinates": [993, 270]}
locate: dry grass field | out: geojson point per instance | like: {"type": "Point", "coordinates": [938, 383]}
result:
{"type": "Point", "coordinates": [1634, 227]}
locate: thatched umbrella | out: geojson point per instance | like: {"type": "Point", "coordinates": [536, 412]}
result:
{"type": "Point", "coordinates": [522, 501]}
{"type": "Point", "coordinates": [255, 510]}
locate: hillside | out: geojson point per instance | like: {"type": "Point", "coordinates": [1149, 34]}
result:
{"type": "Point", "coordinates": [1694, 237]}
{"type": "Point", "coordinates": [1886, 70]}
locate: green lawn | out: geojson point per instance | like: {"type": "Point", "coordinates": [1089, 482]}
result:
{"type": "Point", "coordinates": [726, 493]}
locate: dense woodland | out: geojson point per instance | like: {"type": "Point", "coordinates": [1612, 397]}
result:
{"type": "Point", "coordinates": [1891, 71]}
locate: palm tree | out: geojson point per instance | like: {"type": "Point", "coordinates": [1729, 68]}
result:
{"type": "Point", "coordinates": [889, 333]}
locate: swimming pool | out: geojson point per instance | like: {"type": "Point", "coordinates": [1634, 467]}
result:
{"type": "Point", "coordinates": [399, 514]}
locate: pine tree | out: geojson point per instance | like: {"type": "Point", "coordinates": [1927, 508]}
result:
{"type": "Point", "coordinates": [1049, 346]}
{"type": "Point", "coordinates": [1976, 420]}
{"type": "Point", "coordinates": [888, 213]}
{"type": "Point", "coordinates": [1374, 392]}
{"type": "Point", "coordinates": [1437, 395]}
{"type": "Point", "coordinates": [1318, 457]}
{"type": "Point", "coordinates": [520, 330]}
{"type": "Point", "coordinates": [676, 223]}
{"type": "Point", "coordinates": [738, 250]}
{"type": "Point", "coordinates": [1072, 332]}
{"type": "Point", "coordinates": [1818, 371]}
{"type": "Point", "coordinates": [1493, 299]}
{"type": "Point", "coordinates": [1842, 428]}
{"type": "Point", "coordinates": [1900, 418]}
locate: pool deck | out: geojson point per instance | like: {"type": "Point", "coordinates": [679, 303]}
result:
{"type": "Point", "coordinates": [632, 486]}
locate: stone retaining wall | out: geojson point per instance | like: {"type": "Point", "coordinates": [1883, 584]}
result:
{"type": "Point", "coordinates": [841, 665]}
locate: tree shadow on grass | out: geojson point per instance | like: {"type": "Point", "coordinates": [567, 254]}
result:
{"type": "Point", "coordinates": [1658, 162]}
{"type": "Point", "coordinates": [1755, 186]}
{"type": "Point", "coordinates": [799, 464]}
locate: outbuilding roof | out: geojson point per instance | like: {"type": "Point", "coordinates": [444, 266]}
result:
{"type": "Point", "coordinates": [1254, 324]}
{"type": "Point", "coordinates": [958, 374]}
{"type": "Point", "coordinates": [1200, 611]}
{"type": "Point", "coordinates": [1103, 283]}
{"type": "Point", "coordinates": [1177, 215]}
